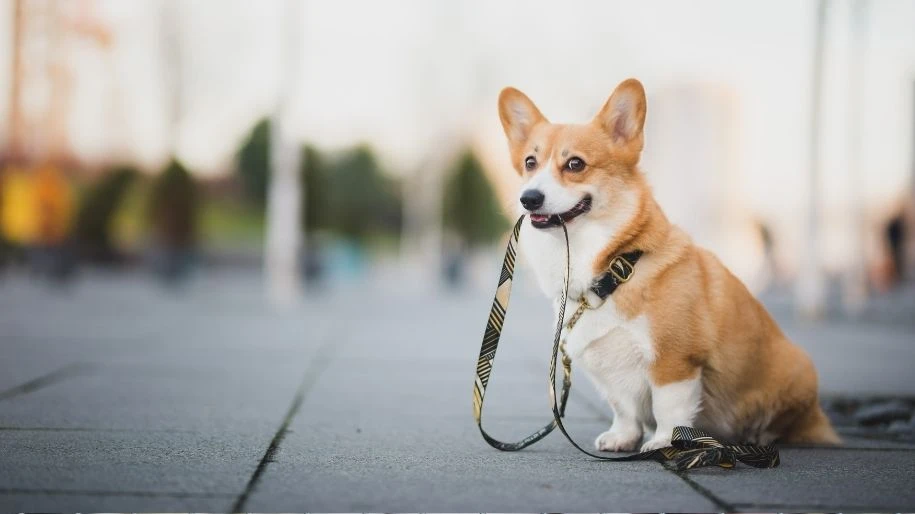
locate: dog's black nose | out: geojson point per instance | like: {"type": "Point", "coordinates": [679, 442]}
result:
{"type": "Point", "coordinates": [532, 199]}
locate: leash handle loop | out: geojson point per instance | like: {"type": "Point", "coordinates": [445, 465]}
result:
{"type": "Point", "coordinates": [491, 338]}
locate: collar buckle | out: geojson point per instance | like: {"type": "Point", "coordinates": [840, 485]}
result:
{"type": "Point", "coordinates": [621, 269]}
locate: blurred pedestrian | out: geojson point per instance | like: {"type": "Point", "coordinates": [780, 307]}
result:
{"type": "Point", "coordinates": [37, 215]}
{"type": "Point", "coordinates": [173, 210]}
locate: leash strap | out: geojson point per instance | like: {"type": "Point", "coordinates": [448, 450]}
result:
{"type": "Point", "coordinates": [690, 447]}
{"type": "Point", "coordinates": [491, 343]}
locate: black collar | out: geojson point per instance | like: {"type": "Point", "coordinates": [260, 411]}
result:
{"type": "Point", "coordinates": [619, 271]}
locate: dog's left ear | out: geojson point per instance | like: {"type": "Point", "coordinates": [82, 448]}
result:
{"type": "Point", "coordinates": [623, 116]}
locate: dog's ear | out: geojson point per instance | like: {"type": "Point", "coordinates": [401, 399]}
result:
{"type": "Point", "coordinates": [518, 114]}
{"type": "Point", "coordinates": [623, 116]}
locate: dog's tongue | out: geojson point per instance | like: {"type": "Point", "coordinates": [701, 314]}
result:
{"type": "Point", "coordinates": [540, 218]}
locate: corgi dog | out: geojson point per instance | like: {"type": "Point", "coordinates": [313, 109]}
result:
{"type": "Point", "coordinates": [682, 342]}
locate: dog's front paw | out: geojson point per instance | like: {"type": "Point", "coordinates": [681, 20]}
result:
{"type": "Point", "coordinates": [656, 443]}
{"type": "Point", "coordinates": [611, 441]}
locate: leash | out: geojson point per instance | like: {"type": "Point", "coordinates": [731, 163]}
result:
{"type": "Point", "coordinates": [690, 447]}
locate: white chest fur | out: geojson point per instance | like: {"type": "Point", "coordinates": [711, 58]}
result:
{"type": "Point", "coordinates": [545, 250]}
{"type": "Point", "coordinates": [616, 354]}
{"type": "Point", "coordinates": [614, 351]}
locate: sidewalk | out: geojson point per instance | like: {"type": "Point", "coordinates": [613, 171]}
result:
{"type": "Point", "coordinates": [118, 396]}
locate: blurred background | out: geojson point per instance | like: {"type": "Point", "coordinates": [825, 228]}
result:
{"type": "Point", "coordinates": [314, 146]}
{"type": "Point", "coordinates": [218, 214]}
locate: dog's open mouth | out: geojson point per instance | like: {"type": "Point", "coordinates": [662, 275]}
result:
{"type": "Point", "coordinates": [552, 220]}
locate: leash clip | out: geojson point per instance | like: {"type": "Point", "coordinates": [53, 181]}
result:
{"type": "Point", "coordinates": [583, 305]}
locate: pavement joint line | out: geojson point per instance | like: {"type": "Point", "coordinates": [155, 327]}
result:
{"type": "Point", "coordinates": [59, 375]}
{"type": "Point", "coordinates": [94, 492]}
{"type": "Point", "coordinates": [318, 364]}
{"type": "Point", "coordinates": [720, 503]}
{"type": "Point", "coordinates": [706, 493]}
{"type": "Point", "coordinates": [682, 475]}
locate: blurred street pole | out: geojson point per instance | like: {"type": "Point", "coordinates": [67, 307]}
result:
{"type": "Point", "coordinates": [810, 287]}
{"type": "Point", "coordinates": [85, 24]}
{"type": "Point", "coordinates": [284, 193]}
{"type": "Point", "coordinates": [910, 262]}
{"type": "Point", "coordinates": [423, 240]}
{"type": "Point", "coordinates": [854, 285]}
{"type": "Point", "coordinates": [60, 80]}
{"type": "Point", "coordinates": [17, 123]}
{"type": "Point", "coordinates": [174, 68]}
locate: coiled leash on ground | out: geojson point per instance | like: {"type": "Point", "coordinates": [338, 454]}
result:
{"type": "Point", "coordinates": [690, 447]}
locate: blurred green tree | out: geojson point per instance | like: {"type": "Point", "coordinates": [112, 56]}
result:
{"type": "Point", "coordinates": [253, 162]}
{"type": "Point", "coordinates": [362, 201]}
{"type": "Point", "coordinates": [471, 207]}
{"type": "Point", "coordinates": [95, 219]}
{"type": "Point", "coordinates": [315, 212]}
{"type": "Point", "coordinates": [173, 207]}
{"type": "Point", "coordinates": [313, 182]}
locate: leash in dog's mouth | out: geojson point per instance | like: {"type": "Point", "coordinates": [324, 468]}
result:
{"type": "Point", "coordinates": [554, 220]}
{"type": "Point", "coordinates": [690, 447]}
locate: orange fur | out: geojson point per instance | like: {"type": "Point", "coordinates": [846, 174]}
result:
{"type": "Point", "coordinates": [702, 318]}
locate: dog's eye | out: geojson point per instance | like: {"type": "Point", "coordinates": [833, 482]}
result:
{"type": "Point", "coordinates": [530, 163]}
{"type": "Point", "coordinates": [575, 164]}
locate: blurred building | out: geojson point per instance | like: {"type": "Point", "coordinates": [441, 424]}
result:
{"type": "Point", "coordinates": [729, 86]}
{"type": "Point", "coordinates": [692, 160]}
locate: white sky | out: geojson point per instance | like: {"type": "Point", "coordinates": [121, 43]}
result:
{"type": "Point", "coordinates": [406, 74]}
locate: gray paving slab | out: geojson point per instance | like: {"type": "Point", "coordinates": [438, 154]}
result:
{"type": "Point", "coordinates": [367, 438]}
{"type": "Point", "coordinates": [153, 462]}
{"type": "Point", "coordinates": [37, 500]}
{"type": "Point", "coordinates": [24, 370]}
{"type": "Point", "coordinates": [823, 480]}
{"type": "Point", "coordinates": [184, 392]}
{"type": "Point", "coordinates": [159, 399]}
{"type": "Point", "coordinates": [205, 368]}
{"type": "Point", "coordinates": [857, 442]}
{"type": "Point", "coordinates": [858, 358]}
{"type": "Point", "coordinates": [437, 466]}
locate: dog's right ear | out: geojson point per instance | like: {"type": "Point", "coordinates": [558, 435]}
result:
{"type": "Point", "coordinates": [518, 114]}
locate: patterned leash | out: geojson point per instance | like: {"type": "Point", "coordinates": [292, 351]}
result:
{"type": "Point", "coordinates": [690, 447]}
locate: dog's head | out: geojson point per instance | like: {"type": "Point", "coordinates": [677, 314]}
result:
{"type": "Point", "coordinates": [572, 171]}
